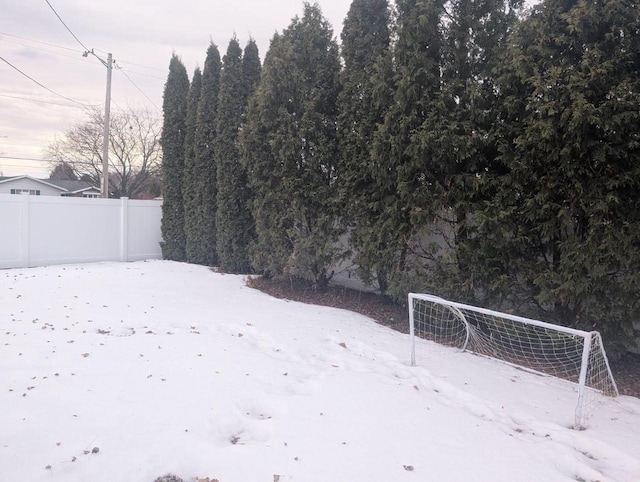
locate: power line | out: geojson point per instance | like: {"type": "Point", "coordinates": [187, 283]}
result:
{"type": "Point", "coordinates": [134, 63]}
{"type": "Point", "coordinates": [134, 84]}
{"type": "Point", "coordinates": [15, 158]}
{"type": "Point", "coordinates": [143, 75]}
{"type": "Point", "coordinates": [38, 100]}
{"type": "Point", "coordinates": [4, 164]}
{"type": "Point", "coordinates": [107, 104]}
{"type": "Point", "coordinates": [65, 25]}
{"type": "Point", "coordinates": [87, 51]}
{"type": "Point", "coordinates": [53, 103]}
{"type": "Point", "coordinates": [34, 159]}
{"type": "Point", "coordinates": [43, 86]}
{"type": "Point", "coordinates": [53, 52]}
{"type": "Point", "coordinates": [41, 42]}
{"type": "Point", "coordinates": [143, 66]}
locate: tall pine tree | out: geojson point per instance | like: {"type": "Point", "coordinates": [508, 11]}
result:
{"type": "Point", "coordinates": [456, 145]}
{"type": "Point", "coordinates": [290, 149]}
{"type": "Point", "coordinates": [399, 170]}
{"type": "Point", "coordinates": [234, 223]}
{"type": "Point", "coordinates": [191, 172]}
{"type": "Point", "coordinates": [251, 68]}
{"type": "Point", "coordinates": [363, 101]}
{"type": "Point", "coordinates": [568, 222]}
{"type": "Point", "coordinates": [201, 232]}
{"type": "Point", "coordinates": [174, 107]}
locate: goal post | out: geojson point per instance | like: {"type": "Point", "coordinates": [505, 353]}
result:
{"type": "Point", "coordinates": [544, 348]}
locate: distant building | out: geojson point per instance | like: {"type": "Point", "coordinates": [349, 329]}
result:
{"type": "Point", "coordinates": [47, 187]}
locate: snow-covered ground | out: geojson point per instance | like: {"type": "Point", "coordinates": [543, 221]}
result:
{"type": "Point", "coordinates": [126, 372]}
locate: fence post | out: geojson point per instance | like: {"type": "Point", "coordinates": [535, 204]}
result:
{"type": "Point", "coordinates": [124, 229]}
{"type": "Point", "coordinates": [412, 332]}
{"type": "Point", "coordinates": [24, 229]}
{"type": "Point", "coordinates": [581, 414]}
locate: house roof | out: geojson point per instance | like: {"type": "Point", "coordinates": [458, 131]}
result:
{"type": "Point", "coordinates": [64, 186]}
{"type": "Point", "coordinates": [73, 186]}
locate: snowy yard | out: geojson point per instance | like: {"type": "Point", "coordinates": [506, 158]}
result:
{"type": "Point", "coordinates": [126, 372]}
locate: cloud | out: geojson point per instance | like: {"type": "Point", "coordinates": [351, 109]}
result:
{"type": "Point", "coordinates": [141, 34]}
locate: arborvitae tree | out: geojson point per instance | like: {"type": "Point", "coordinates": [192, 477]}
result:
{"type": "Point", "coordinates": [234, 223]}
{"type": "Point", "coordinates": [260, 161]}
{"type": "Point", "coordinates": [251, 68]}
{"type": "Point", "coordinates": [363, 101]}
{"type": "Point", "coordinates": [568, 221]}
{"type": "Point", "coordinates": [174, 107]}
{"type": "Point", "coordinates": [190, 166]}
{"type": "Point", "coordinates": [399, 171]}
{"type": "Point", "coordinates": [290, 149]}
{"type": "Point", "coordinates": [201, 246]}
{"type": "Point", "coordinates": [455, 143]}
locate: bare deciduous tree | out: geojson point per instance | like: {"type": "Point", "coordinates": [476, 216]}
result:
{"type": "Point", "coordinates": [134, 151]}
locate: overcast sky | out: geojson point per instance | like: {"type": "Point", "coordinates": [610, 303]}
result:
{"type": "Point", "coordinates": [141, 34]}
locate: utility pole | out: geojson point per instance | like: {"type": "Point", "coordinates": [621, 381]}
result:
{"type": "Point", "coordinates": [105, 142]}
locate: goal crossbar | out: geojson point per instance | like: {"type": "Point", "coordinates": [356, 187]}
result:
{"type": "Point", "coordinates": [541, 347]}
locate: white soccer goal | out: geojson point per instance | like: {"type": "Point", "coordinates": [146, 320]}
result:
{"type": "Point", "coordinates": [544, 348]}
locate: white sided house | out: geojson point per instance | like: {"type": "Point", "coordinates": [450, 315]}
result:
{"type": "Point", "coordinates": [47, 187]}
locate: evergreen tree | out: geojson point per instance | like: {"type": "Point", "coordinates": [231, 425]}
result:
{"type": "Point", "coordinates": [260, 161]}
{"type": "Point", "coordinates": [201, 246]}
{"type": "Point", "coordinates": [290, 149]}
{"type": "Point", "coordinates": [63, 171]}
{"type": "Point", "coordinates": [456, 145]}
{"type": "Point", "coordinates": [251, 68]}
{"type": "Point", "coordinates": [568, 219]}
{"type": "Point", "coordinates": [234, 223]}
{"type": "Point", "coordinates": [400, 174]}
{"type": "Point", "coordinates": [174, 107]}
{"type": "Point", "coordinates": [190, 166]}
{"type": "Point", "coordinates": [363, 101]}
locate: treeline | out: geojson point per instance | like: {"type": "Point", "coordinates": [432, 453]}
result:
{"type": "Point", "coordinates": [464, 148]}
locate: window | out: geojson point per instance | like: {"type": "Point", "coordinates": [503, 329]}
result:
{"type": "Point", "coordinates": [90, 195]}
{"type": "Point", "coordinates": [32, 192]}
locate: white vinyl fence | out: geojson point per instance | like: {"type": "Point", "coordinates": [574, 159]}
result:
{"type": "Point", "coordinates": [46, 230]}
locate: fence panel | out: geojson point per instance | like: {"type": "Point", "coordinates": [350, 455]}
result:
{"type": "Point", "coordinates": [11, 240]}
{"type": "Point", "coordinates": [45, 230]}
{"type": "Point", "coordinates": [143, 226]}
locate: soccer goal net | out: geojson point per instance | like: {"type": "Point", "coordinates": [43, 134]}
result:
{"type": "Point", "coordinates": [544, 348]}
